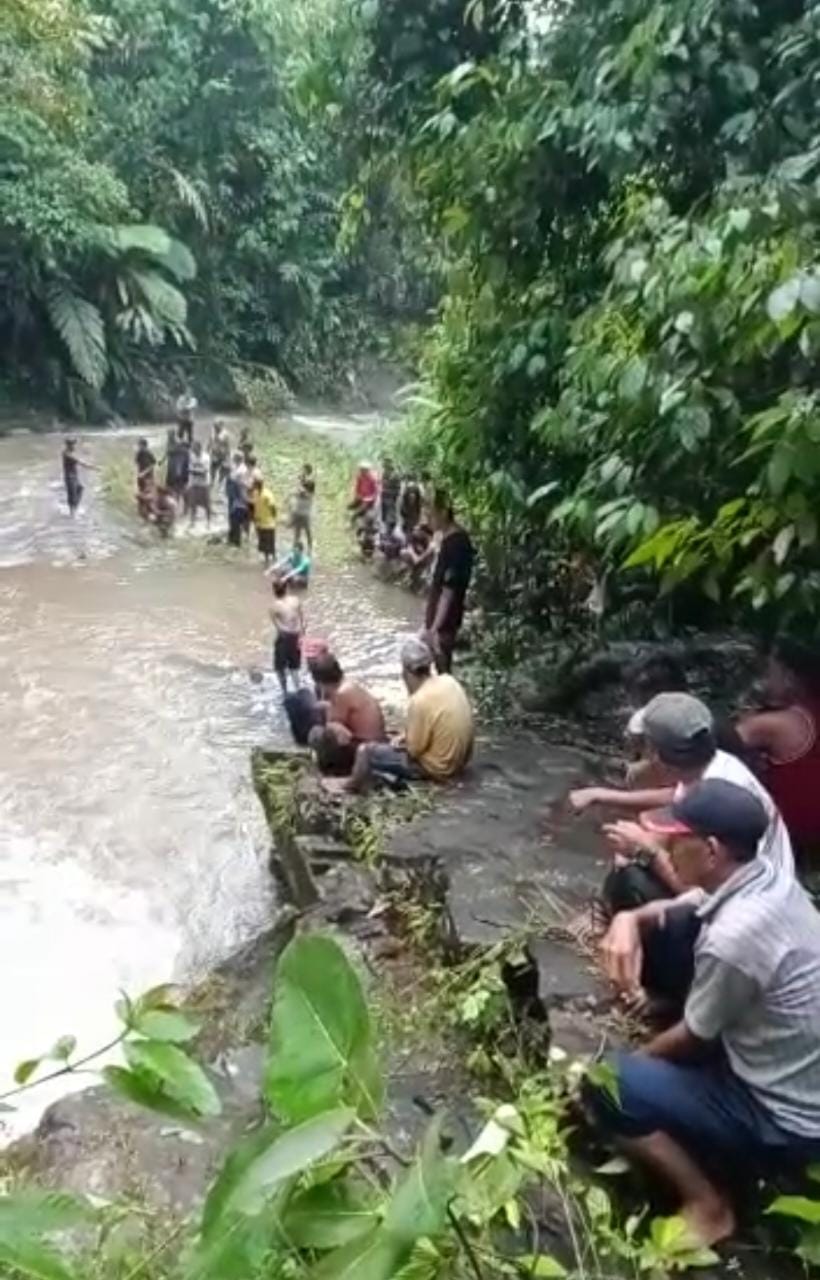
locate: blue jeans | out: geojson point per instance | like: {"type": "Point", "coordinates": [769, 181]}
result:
{"type": "Point", "coordinates": [704, 1106]}
{"type": "Point", "coordinates": [393, 762]}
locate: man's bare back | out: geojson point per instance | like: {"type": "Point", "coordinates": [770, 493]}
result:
{"type": "Point", "coordinates": [358, 711]}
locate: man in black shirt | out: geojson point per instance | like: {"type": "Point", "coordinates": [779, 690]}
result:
{"type": "Point", "coordinates": [451, 580]}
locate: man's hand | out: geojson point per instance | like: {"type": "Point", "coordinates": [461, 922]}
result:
{"type": "Point", "coordinates": [622, 953]}
{"type": "Point", "coordinates": [584, 798]}
{"type": "Point", "coordinates": [625, 837]}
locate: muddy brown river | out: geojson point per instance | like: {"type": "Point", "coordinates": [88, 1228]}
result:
{"type": "Point", "coordinates": [132, 846]}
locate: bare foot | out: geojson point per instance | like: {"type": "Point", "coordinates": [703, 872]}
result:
{"type": "Point", "coordinates": [710, 1221]}
{"type": "Point", "coordinates": [336, 786]}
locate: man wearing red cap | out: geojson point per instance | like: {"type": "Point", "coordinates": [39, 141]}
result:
{"type": "Point", "coordinates": [735, 1083]}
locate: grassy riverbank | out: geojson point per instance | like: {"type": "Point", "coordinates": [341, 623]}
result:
{"type": "Point", "coordinates": [282, 448]}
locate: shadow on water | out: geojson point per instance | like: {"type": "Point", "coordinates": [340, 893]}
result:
{"type": "Point", "coordinates": [132, 848]}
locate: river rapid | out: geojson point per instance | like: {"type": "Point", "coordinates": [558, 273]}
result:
{"type": "Point", "coordinates": [132, 847]}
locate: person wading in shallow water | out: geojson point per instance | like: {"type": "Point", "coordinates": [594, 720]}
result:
{"type": "Point", "coordinates": [451, 581]}
{"type": "Point", "coordinates": [71, 474]}
{"type": "Point", "coordinates": [733, 1086]}
{"type": "Point", "coordinates": [289, 622]}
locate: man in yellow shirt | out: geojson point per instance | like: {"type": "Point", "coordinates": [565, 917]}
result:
{"type": "Point", "coordinates": [263, 505]}
{"type": "Point", "coordinates": [439, 734]}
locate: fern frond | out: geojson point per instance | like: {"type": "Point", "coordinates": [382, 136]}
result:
{"type": "Point", "coordinates": [82, 329]}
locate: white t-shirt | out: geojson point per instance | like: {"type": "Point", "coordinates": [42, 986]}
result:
{"type": "Point", "coordinates": [775, 847]}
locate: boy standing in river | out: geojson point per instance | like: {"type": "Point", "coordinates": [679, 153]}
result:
{"type": "Point", "coordinates": [289, 622]}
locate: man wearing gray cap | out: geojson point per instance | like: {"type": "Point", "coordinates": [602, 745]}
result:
{"type": "Point", "coordinates": [439, 733]}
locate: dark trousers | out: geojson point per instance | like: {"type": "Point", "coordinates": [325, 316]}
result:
{"type": "Point", "coordinates": [303, 713]}
{"type": "Point", "coordinates": [236, 524]}
{"type": "Point", "coordinates": [668, 953]}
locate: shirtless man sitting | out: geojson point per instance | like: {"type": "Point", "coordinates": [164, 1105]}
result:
{"type": "Point", "coordinates": [352, 716]}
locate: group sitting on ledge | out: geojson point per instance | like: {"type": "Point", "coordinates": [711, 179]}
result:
{"type": "Point", "coordinates": [707, 931]}
{"type": "Point", "coordinates": [344, 725]}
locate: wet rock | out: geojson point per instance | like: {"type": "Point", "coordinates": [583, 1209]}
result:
{"type": "Point", "coordinates": [348, 894]}
{"type": "Point", "coordinates": [92, 1143]}
{"type": "Point", "coordinates": [321, 853]}
{"type": "Point", "coordinates": [502, 872]}
{"type": "Point", "coordinates": [582, 1034]}
{"type": "Point", "coordinates": [565, 978]}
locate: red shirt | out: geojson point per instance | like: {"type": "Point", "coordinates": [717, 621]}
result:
{"type": "Point", "coordinates": [366, 487]}
{"type": "Point", "coordinates": [795, 787]}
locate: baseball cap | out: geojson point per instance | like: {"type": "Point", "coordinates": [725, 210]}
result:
{"type": "Point", "coordinates": [680, 727]}
{"type": "Point", "coordinates": [416, 654]}
{"type": "Point", "coordinates": [715, 808]}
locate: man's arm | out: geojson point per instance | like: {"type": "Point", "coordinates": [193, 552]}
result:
{"type": "Point", "coordinates": [417, 732]}
{"type": "Point", "coordinates": [627, 837]}
{"type": "Point", "coordinates": [676, 1043]}
{"type": "Point", "coordinates": [632, 801]}
{"type": "Point", "coordinates": [443, 607]}
{"type": "Point", "coordinates": [622, 949]}
{"type": "Point", "coordinates": [765, 732]}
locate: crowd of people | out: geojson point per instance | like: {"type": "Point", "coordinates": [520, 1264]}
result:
{"type": "Point", "coordinates": [703, 924]}
{"type": "Point", "coordinates": [390, 517]}
{"type": "Point", "coordinates": [338, 718]}
{"type": "Point", "coordinates": [706, 930]}
{"type": "Point", "coordinates": [194, 473]}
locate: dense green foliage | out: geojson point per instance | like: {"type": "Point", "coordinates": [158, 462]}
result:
{"type": "Point", "coordinates": [615, 202]}
{"type": "Point", "coordinates": [172, 183]}
{"type": "Point", "coordinates": [317, 1189]}
{"type": "Point", "coordinates": [623, 374]}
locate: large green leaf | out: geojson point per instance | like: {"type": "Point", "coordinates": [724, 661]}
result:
{"type": "Point", "coordinates": [178, 261]}
{"type": "Point", "coordinates": [33, 1258]}
{"type": "Point", "coordinates": [419, 1206]}
{"type": "Point", "coordinates": [800, 1207]}
{"type": "Point", "coordinates": [165, 302]}
{"type": "Point", "coordinates": [81, 327]}
{"type": "Point", "coordinates": [183, 1079]}
{"type": "Point", "coordinates": [321, 1047]}
{"type": "Point", "coordinates": [36, 1213]}
{"type": "Point", "coordinates": [233, 1253]}
{"type": "Point", "coordinates": [376, 1256]}
{"type": "Point", "coordinates": [252, 1176]}
{"type": "Point", "coordinates": [139, 237]}
{"type": "Point", "coordinates": [164, 1024]}
{"type": "Point", "coordinates": [329, 1216]}
{"type": "Point", "coordinates": [29, 1215]}
{"type": "Point", "coordinates": [145, 1090]}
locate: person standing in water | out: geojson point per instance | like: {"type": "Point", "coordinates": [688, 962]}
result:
{"type": "Point", "coordinates": [263, 506]}
{"type": "Point", "coordinates": [145, 463]}
{"type": "Point", "coordinates": [186, 408]}
{"type": "Point", "coordinates": [220, 453]}
{"type": "Point", "coordinates": [289, 623]}
{"type": "Point", "coordinates": [71, 474]}
{"type": "Point", "coordinates": [236, 489]}
{"type": "Point", "coordinates": [301, 516]}
{"type": "Point", "coordinates": [199, 488]}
